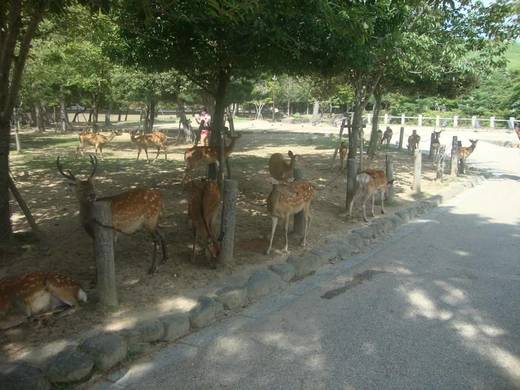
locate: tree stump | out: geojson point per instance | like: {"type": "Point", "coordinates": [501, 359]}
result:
{"type": "Point", "coordinates": [351, 180]}
{"type": "Point", "coordinates": [454, 156]}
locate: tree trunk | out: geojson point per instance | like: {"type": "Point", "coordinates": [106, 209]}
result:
{"type": "Point", "coordinates": [126, 114]}
{"type": "Point", "coordinates": [119, 116]}
{"type": "Point", "coordinates": [5, 211]}
{"type": "Point", "coordinates": [372, 147]}
{"type": "Point", "coordinates": [17, 130]}
{"type": "Point", "coordinates": [108, 112]}
{"type": "Point", "coordinates": [63, 115]}
{"type": "Point", "coordinates": [40, 124]}
{"type": "Point", "coordinates": [288, 107]}
{"type": "Point", "coordinates": [315, 112]}
{"type": "Point", "coordinates": [151, 120]}
{"type": "Point", "coordinates": [217, 122]}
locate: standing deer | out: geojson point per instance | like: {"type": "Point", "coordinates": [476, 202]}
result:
{"type": "Point", "coordinates": [436, 144]}
{"type": "Point", "coordinates": [369, 183]}
{"type": "Point", "coordinates": [97, 140]}
{"type": "Point", "coordinates": [464, 152]}
{"type": "Point", "coordinates": [379, 139]}
{"type": "Point", "coordinates": [280, 169]}
{"type": "Point", "coordinates": [37, 292]}
{"type": "Point", "coordinates": [343, 152]}
{"type": "Point", "coordinates": [203, 204]}
{"type": "Point", "coordinates": [131, 210]}
{"type": "Point", "coordinates": [156, 139]}
{"type": "Point", "coordinates": [413, 141]}
{"type": "Point", "coordinates": [205, 154]}
{"type": "Point", "coordinates": [387, 136]}
{"type": "Point", "coordinates": [286, 200]}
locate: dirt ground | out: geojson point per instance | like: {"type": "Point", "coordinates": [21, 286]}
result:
{"type": "Point", "coordinates": [175, 283]}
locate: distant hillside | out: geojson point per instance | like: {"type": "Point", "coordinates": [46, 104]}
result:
{"type": "Point", "coordinates": [513, 56]}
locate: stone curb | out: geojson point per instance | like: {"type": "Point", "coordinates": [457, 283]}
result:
{"type": "Point", "coordinates": [103, 352]}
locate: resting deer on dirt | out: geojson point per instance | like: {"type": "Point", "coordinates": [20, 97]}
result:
{"type": "Point", "coordinates": [97, 140]}
{"type": "Point", "coordinates": [343, 152]}
{"type": "Point", "coordinates": [197, 155]}
{"type": "Point", "coordinates": [464, 152]}
{"type": "Point", "coordinates": [156, 139]}
{"type": "Point", "coordinates": [280, 169]}
{"type": "Point", "coordinates": [203, 204]}
{"type": "Point", "coordinates": [35, 293]}
{"type": "Point", "coordinates": [387, 136]}
{"type": "Point", "coordinates": [369, 183]}
{"type": "Point", "coordinates": [413, 141]}
{"type": "Point", "coordinates": [131, 210]}
{"type": "Point", "coordinates": [286, 200]}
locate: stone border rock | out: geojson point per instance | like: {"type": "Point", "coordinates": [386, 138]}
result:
{"type": "Point", "coordinates": [103, 352]}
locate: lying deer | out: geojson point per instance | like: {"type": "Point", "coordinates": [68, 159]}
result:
{"type": "Point", "coordinates": [343, 152]}
{"type": "Point", "coordinates": [156, 139]}
{"type": "Point", "coordinates": [368, 184]}
{"type": "Point", "coordinates": [203, 204]}
{"type": "Point", "coordinates": [131, 210]}
{"type": "Point", "coordinates": [34, 293]}
{"type": "Point", "coordinates": [387, 136]}
{"type": "Point", "coordinates": [197, 155]}
{"type": "Point", "coordinates": [97, 140]}
{"type": "Point", "coordinates": [413, 141]}
{"type": "Point", "coordinates": [286, 200]}
{"type": "Point", "coordinates": [280, 169]}
{"type": "Point", "coordinates": [464, 152]}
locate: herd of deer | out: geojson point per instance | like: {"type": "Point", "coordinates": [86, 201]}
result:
{"type": "Point", "coordinates": [138, 209]}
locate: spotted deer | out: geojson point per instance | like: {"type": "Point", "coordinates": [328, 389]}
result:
{"type": "Point", "coordinates": [97, 140]}
{"type": "Point", "coordinates": [436, 144]}
{"type": "Point", "coordinates": [369, 183]}
{"type": "Point", "coordinates": [156, 139]}
{"type": "Point", "coordinates": [34, 293]}
{"type": "Point", "coordinates": [413, 141]}
{"type": "Point", "coordinates": [132, 210]}
{"type": "Point", "coordinates": [197, 155]}
{"type": "Point", "coordinates": [280, 169]}
{"type": "Point", "coordinates": [203, 205]}
{"type": "Point", "coordinates": [343, 152]}
{"type": "Point", "coordinates": [286, 200]}
{"type": "Point", "coordinates": [464, 152]}
{"type": "Point", "coordinates": [387, 136]}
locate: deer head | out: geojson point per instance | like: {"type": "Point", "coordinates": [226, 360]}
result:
{"type": "Point", "coordinates": [84, 189]}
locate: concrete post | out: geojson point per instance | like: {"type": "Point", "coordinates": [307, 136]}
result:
{"type": "Point", "coordinates": [432, 140]}
{"type": "Point", "coordinates": [104, 254]}
{"type": "Point", "coordinates": [455, 121]}
{"type": "Point", "coordinates": [389, 176]}
{"type": "Point", "coordinates": [454, 156]}
{"type": "Point", "coordinates": [351, 180]}
{"type": "Point", "coordinates": [403, 119]}
{"type": "Point", "coordinates": [228, 220]}
{"type": "Point", "coordinates": [419, 120]}
{"type": "Point", "coordinates": [492, 122]}
{"type": "Point", "coordinates": [473, 121]}
{"type": "Point", "coordinates": [401, 138]}
{"type": "Point", "coordinates": [299, 220]}
{"type": "Point", "coordinates": [417, 165]}
{"type": "Point", "coordinates": [437, 121]}
{"type": "Point", "coordinates": [512, 123]}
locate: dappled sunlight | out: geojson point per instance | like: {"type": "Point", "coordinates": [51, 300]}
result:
{"type": "Point", "coordinates": [176, 304]}
{"type": "Point", "coordinates": [423, 306]}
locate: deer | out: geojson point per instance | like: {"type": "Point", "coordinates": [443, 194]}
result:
{"type": "Point", "coordinates": [156, 139]}
{"type": "Point", "coordinates": [280, 169]}
{"type": "Point", "coordinates": [98, 140]}
{"type": "Point", "coordinates": [34, 293]}
{"type": "Point", "coordinates": [132, 210]}
{"type": "Point", "coordinates": [387, 136]}
{"type": "Point", "coordinates": [369, 183]}
{"type": "Point", "coordinates": [413, 141]}
{"type": "Point", "coordinates": [464, 152]}
{"type": "Point", "coordinates": [343, 152]}
{"type": "Point", "coordinates": [379, 139]}
{"type": "Point", "coordinates": [286, 200]}
{"type": "Point", "coordinates": [197, 155]}
{"type": "Point", "coordinates": [436, 144]}
{"type": "Point", "coordinates": [203, 205]}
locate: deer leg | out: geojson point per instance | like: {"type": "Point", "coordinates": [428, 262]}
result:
{"type": "Point", "coordinates": [158, 151]}
{"type": "Point", "coordinates": [365, 208]}
{"type": "Point", "coordinates": [354, 200]}
{"type": "Point", "coordinates": [138, 153]}
{"type": "Point", "coordinates": [307, 216]}
{"type": "Point", "coordinates": [165, 155]}
{"type": "Point", "coordinates": [163, 246]}
{"type": "Point", "coordinates": [373, 203]}
{"type": "Point", "coordinates": [286, 226]}
{"type": "Point", "coordinates": [146, 152]}
{"type": "Point", "coordinates": [273, 230]}
{"type": "Point", "coordinates": [382, 202]}
{"type": "Point", "coordinates": [153, 267]}
{"type": "Point", "coordinates": [195, 239]}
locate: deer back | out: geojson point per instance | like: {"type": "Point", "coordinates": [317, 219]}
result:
{"type": "Point", "coordinates": [288, 199]}
{"type": "Point", "coordinates": [371, 180]}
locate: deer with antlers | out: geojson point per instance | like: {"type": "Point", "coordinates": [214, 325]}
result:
{"type": "Point", "coordinates": [280, 169]}
{"type": "Point", "coordinates": [286, 200]}
{"type": "Point", "coordinates": [203, 204]}
{"type": "Point", "coordinates": [131, 210]}
{"type": "Point", "coordinates": [34, 293]}
{"type": "Point", "coordinates": [369, 183]}
{"type": "Point", "coordinates": [97, 140]}
{"type": "Point", "coordinates": [197, 155]}
{"type": "Point", "coordinates": [156, 139]}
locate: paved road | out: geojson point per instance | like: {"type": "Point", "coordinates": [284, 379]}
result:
{"type": "Point", "coordinates": [437, 306]}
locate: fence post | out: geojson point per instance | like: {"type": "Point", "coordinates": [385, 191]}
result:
{"type": "Point", "coordinates": [228, 220]}
{"type": "Point", "coordinates": [351, 180]}
{"type": "Point", "coordinates": [492, 122]}
{"type": "Point", "coordinates": [104, 254]}
{"type": "Point", "coordinates": [417, 162]}
{"type": "Point", "coordinates": [437, 121]}
{"type": "Point", "coordinates": [473, 121]}
{"type": "Point", "coordinates": [454, 152]}
{"type": "Point", "coordinates": [432, 140]}
{"type": "Point", "coordinates": [389, 177]}
{"type": "Point", "coordinates": [512, 123]}
{"type": "Point", "coordinates": [401, 138]}
{"type": "Point", "coordinates": [403, 119]}
{"type": "Point", "coordinates": [419, 120]}
{"type": "Point", "coordinates": [455, 121]}
{"type": "Point", "coordinates": [386, 119]}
